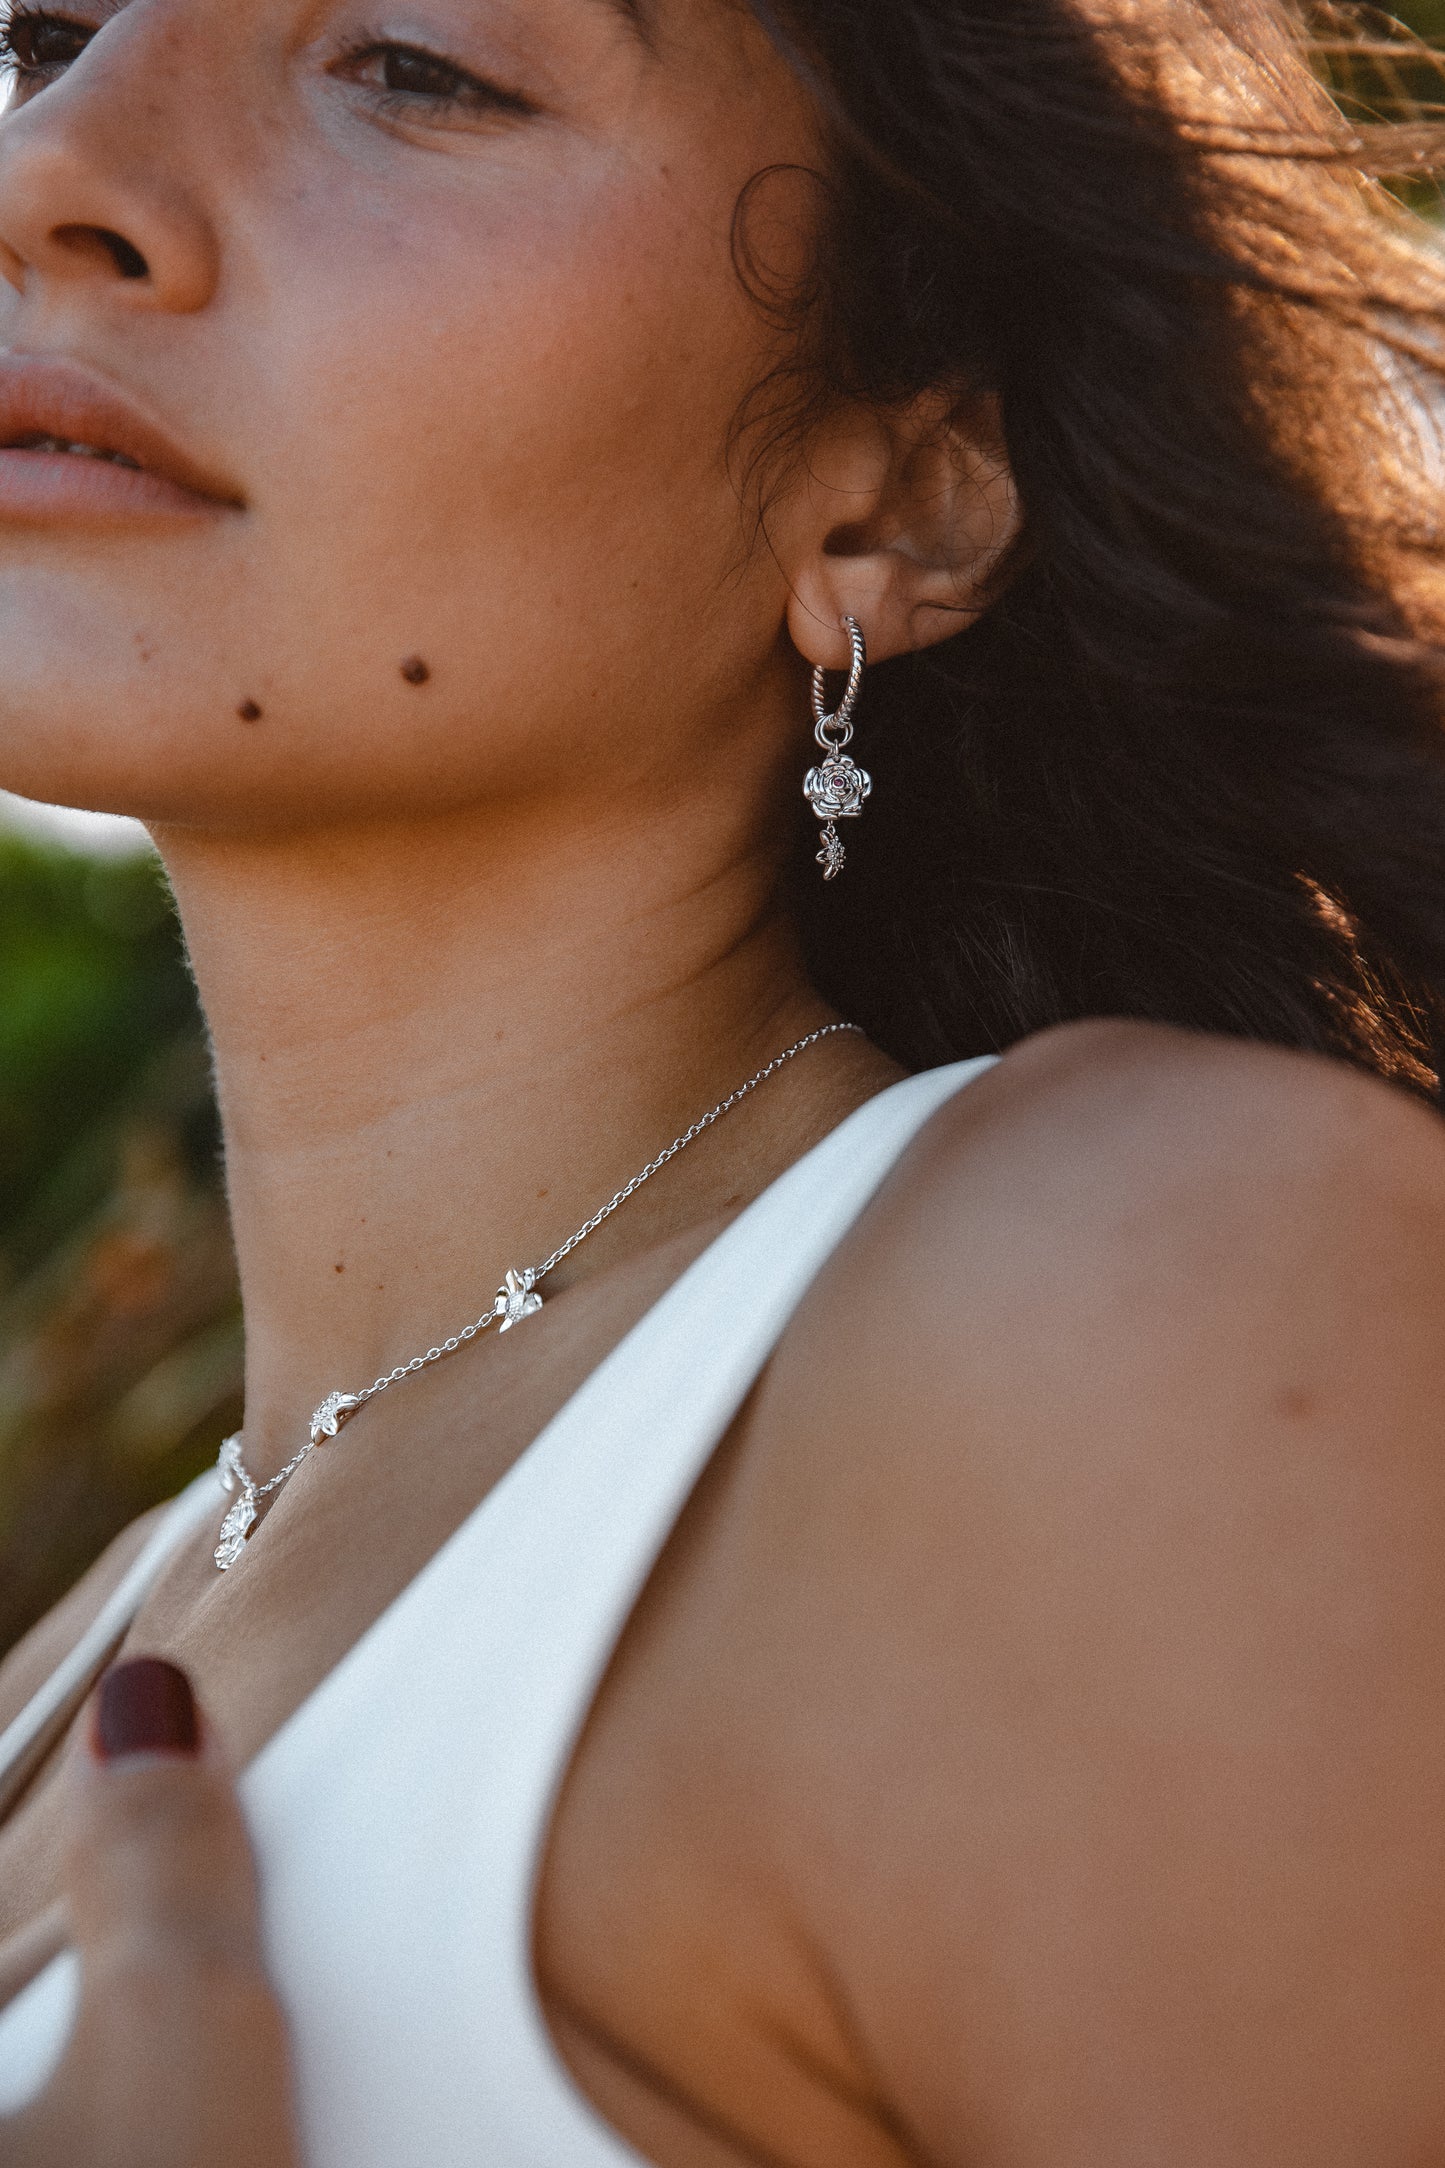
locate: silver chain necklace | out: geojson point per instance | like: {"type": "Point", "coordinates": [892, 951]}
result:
{"type": "Point", "coordinates": [517, 1299]}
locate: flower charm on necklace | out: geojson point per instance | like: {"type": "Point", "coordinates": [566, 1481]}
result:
{"type": "Point", "coordinates": [331, 1414]}
{"type": "Point", "coordinates": [242, 1517]}
{"type": "Point", "coordinates": [516, 1299]}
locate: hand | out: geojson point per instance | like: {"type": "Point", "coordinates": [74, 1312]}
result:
{"type": "Point", "coordinates": [179, 2056]}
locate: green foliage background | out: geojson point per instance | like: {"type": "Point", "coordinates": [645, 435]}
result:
{"type": "Point", "coordinates": [120, 1330]}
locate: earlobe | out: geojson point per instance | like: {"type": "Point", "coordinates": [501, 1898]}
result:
{"type": "Point", "coordinates": [905, 521]}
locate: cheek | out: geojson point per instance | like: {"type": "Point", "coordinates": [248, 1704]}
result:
{"type": "Point", "coordinates": [510, 459]}
{"type": "Point", "coordinates": [493, 542]}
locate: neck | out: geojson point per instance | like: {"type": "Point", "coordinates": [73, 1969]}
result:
{"type": "Point", "coordinates": [440, 1047]}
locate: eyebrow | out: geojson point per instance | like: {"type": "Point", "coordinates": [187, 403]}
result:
{"type": "Point", "coordinates": [637, 14]}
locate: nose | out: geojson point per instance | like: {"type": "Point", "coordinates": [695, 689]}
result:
{"type": "Point", "coordinates": [95, 201]}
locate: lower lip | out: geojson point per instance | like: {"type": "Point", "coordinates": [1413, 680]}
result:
{"type": "Point", "coordinates": [37, 487]}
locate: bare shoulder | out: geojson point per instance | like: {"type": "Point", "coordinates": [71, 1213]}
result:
{"type": "Point", "coordinates": [1115, 1196]}
{"type": "Point", "coordinates": [1100, 1499]}
{"type": "Point", "coordinates": [1105, 1124]}
{"type": "Point", "coordinates": [1140, 1285]}
{"type": "Point", "coordinates": [33, 1659]}
{"type": "Point", "coordinates": [1138, 1256]}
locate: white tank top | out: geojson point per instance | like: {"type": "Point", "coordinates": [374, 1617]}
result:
{"type": "Point", "coordinates": [400, 1815]}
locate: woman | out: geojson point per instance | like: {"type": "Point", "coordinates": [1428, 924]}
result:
{"type": "Point", "coordinates": [929, 1645]}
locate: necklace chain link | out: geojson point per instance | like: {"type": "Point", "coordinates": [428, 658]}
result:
{"type": "Point", "coordinates": [516, 1300]}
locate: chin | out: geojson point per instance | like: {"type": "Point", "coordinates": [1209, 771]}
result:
{"type": "Point", "coordinates": [115, 760]}
{"type": "Point", "coordinates": [91, 718]}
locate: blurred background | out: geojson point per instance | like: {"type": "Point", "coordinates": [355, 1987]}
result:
{"type": "Point", "coordinates": [120, 1330]}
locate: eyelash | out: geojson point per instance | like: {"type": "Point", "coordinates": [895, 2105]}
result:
{"type": "Point", "coordinates": [468, 93]}
{"type": "Point", "coordinates": [19, 34]}
{"type": "Point", "coordinates": [454, 89]}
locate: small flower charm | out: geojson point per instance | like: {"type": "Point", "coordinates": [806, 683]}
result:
{"type": "Point", "coordinates": [234, 1530]}
{"type": "Point", "coordinates": [832, 858]}
{"type": "Point", "coordinates": [242, 1517]}
{"type": "Point", "coordinates": [838, 789]}
{"type": "Point", "coordinates": [516, 1299]}
{"type": "Point", "coordinates": [229, 1464]}
{"type": "Point", "coordinates": [331, 1414]}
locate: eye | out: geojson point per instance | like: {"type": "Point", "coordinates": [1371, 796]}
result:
{"type": "Point", "coordinates": [36, 46]}
{"type": "Point", "coordinates": [407, 81]}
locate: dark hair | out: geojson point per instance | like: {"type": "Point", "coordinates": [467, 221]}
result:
{"type": "Point", "coordinates": [1189, 765]}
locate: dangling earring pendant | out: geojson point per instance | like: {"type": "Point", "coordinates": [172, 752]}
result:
{"type": "Point", "coordinates": [837, 788]}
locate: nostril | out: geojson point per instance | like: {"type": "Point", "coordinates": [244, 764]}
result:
{"type": "Point", "coordinates": [126, 258]}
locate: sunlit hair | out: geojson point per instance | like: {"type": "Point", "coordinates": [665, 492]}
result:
{"type": "Point", "coordinates": [1189, 765]}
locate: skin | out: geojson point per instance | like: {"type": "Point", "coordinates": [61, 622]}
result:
{"type": "Point", "coordinates": [1028, 1749]}
{"type": "Point", "coordinates": [162, 1904]}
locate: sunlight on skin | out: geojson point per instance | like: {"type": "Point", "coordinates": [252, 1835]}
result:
{"type": "Point", "coordinates": [395, 572]}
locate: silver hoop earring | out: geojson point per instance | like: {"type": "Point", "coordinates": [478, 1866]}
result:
{"type": "Point", "coordinates": [837, 787]}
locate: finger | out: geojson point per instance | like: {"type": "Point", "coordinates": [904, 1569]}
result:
{"type": "Point", "coordinates": [178, 2058]}
{"type": "Point", "coordinates": [159, 1864]}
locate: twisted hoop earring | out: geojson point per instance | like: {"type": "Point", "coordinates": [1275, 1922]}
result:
{"type": "Point", "coordinates": [837, 787]}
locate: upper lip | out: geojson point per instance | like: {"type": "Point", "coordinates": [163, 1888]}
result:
{"type": "Point", "coordinates": [41, 397]}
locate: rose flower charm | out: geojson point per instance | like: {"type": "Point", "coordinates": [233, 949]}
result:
{"type": "Point", "coordinates": [836, 790]}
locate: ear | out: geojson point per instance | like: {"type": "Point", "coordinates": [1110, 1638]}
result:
{"type": "Point", "coordinates": [898, 518]}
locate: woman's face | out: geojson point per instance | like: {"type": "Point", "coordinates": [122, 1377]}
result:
{"type": "Point", "coordinates": [431, 306]}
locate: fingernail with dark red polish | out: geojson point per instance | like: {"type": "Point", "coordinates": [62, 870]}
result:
{"type": "Point", "coordinates": [146, 1707]}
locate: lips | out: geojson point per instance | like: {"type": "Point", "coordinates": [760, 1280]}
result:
{"type": "Point", "coordinates": [72, 444]}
